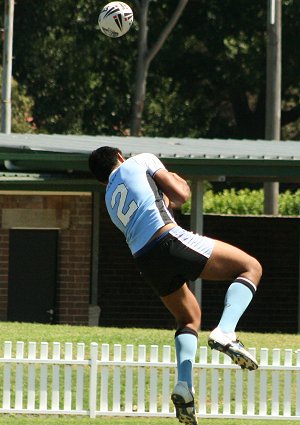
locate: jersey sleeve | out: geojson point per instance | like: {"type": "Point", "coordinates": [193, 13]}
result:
{"type": "Point", "coordinates": [150, 162]}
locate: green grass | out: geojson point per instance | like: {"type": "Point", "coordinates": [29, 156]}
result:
{"type": "Point", "coordinates": [79, 334]}
{"type": "Point", "coordinates": [75, 334]}
{"type": "Point", "coordinates": [58, 420]}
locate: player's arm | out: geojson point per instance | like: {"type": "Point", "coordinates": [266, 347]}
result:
{"type": "Point", "coordinates": [173, 186]}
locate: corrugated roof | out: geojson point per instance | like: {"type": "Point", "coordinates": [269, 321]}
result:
{"type": "Point", "coordinates": [163, 147]}
{"type": "Point", "coordinates": [63, 158]}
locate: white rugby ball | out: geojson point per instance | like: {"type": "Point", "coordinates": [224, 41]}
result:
{"type": "Point", "coordinates": [115, 19]}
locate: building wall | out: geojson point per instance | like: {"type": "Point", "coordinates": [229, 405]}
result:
{"type": "Point", "coordinates": [126, 301]}
{"type": "Point", "coordinates": [72, 215]}
{"type": "Point", "coordinates": [275, 243]}
{"type": "Point", "coordinates": [123, 297]}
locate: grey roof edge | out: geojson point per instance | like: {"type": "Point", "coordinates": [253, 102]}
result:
{"type": "Point", "coordinates": [173, 147]}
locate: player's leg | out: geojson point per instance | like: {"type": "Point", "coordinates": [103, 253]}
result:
{"type": "Point", "coordinates": [230, 263]}
{"type": "Point", "coordinates": [183, 305]}
{"type": "Point", "coordinates": [227, 262]}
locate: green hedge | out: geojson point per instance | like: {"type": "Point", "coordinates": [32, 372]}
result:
{"type": "Point", "coordinates": [245, 202]}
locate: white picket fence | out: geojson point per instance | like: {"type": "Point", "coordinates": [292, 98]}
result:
{"type": "Point", "coordinates": [137, 381]}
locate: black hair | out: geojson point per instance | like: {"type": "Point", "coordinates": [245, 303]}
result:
{"type": "Point", "coordinates": [102, 161]}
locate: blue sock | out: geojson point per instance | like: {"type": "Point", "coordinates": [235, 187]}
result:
{"type": "Point", "coordinates": [186, 348]}
{"type": "Point", "coordinates": [237, 299]}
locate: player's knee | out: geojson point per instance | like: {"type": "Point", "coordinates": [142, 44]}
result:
{"type": "Point", "coordinates": [194, 325]}
{"type": "Point", "coordinates": [192, 322]}
{"type": "Point", "coordinates": [255, 270]}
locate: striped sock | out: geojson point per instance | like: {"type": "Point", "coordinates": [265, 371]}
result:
{"type": "Point", "coordinates": [186, 347]}
{"type": "Point", "coordinates": [237, 299]}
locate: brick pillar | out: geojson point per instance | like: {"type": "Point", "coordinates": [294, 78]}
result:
{"type": "Point", "coordinates": [75, 262]}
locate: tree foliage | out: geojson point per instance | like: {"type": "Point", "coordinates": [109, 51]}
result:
{"type": "Point", "coordinates": [80, 79]}
{"type": "Point", "coordinates": [220, 53]}
{"type": "Point", "coordinates": [207, 80]}
{"type": "Point", "coordinates": [22, 104]}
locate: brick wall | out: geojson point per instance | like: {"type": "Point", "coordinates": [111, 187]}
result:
{"type": "Point", "coordinates": [126, 301]}
{"type": "Point", "coordinates": [74, 246]}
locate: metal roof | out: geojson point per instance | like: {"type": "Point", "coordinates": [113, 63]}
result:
{"type": "Point", "coordinates": [163, 147]}
{"type": "Point", "coordinates": [62, 159]}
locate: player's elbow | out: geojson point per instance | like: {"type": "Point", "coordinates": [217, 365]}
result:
{"type": "Point", "coordinates": [183, 196]}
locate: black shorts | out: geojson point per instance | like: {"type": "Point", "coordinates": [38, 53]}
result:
{"type": "Point", "coordinates": [167, 263]}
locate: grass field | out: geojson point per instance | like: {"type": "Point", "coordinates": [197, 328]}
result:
{"type": "Point", "coordinates": [43, 333]}
{"type": "Point", "coordinates": [14, 420]}
{"type": "Point", "coordinates": [33, 420]}
{"type": "Point", "coordinates": [62, 333]}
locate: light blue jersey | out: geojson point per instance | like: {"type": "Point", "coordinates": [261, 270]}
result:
{"type": "Point", "coordinates": [134, 202]}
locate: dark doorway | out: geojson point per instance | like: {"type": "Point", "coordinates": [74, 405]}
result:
{"type": "Point", "coordinates": [32, 275]}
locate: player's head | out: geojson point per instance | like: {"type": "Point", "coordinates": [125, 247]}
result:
{"type": "Point", "coordinates": [102, 161]}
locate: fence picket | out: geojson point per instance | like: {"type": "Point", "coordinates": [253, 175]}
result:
{"type": "Point", "coordinates": [80, 377]}
{"type": "Point", "coordinates": [166, 379]}
{"type": "Point", "coordinates": [55, 377]}
{"type": "Point", "coordinates": [141, 379]}
{"type": "Point", "coordinates": [226, 387]}
{"type": "Point", "coordinates": [215, 383]}
{"type": "Point", "coordinates": [116, 379]}
{"type": "Point", "coordinates": [31, 376]}
{"type": "Point", "coordinates": [287, 392]}
{"type": "Point", "coordinates": [44, 377]}
{"type": "Point", "coordinates": [251, 387]}
{"type": "Point", "coordinates": [263, 382]}
{"type": "Point", "coordinates": [7, 376]}
{"type": "Point", "coordinates": [93, 380]}
{"type": "Point", "coordinates": [19, 376]}
{"type": "Point", "coordinates": [68, 377]}
{"type": "Point", "coordinates": [275, 383]}
{"type": "Point", "coordinates": [202, 380]}
{"type": "Point", "coordinates": [129, 379]}
{"type": "Point", "coordinates": [153, 379]}
{"type": "Point", "coordinates": [104, 373]}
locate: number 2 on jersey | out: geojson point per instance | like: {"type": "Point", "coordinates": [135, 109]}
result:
{"type": "Point", "coordinates": [123, 214]}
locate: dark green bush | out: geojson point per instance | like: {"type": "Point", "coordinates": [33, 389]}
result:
{"type": "Point", "coordinates": [246, 202]}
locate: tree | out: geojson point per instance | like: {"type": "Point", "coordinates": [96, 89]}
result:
{"type": "Point", "coordinates": [146, 56]}
{"type": "Point", "coordinates": [225, 59]}
{"type": "Point", "coordinates": [208, 80]}
{"type": "Point", "coordinates": [22, 105]}
{"type": "Point", "coordinates": [81, 80]}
